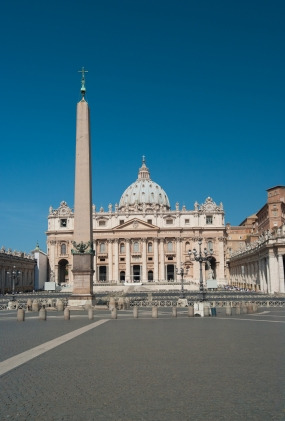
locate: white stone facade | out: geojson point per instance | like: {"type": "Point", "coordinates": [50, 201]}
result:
{"type": "Point", "coordinates": [260, 265]}
{"type": "Point", "coordinates": [41, 268]}
{"type": "Point", "coordinates": [141, 240]}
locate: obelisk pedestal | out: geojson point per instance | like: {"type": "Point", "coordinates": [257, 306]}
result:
{"type": "Point", "coordinates": [83, 254]}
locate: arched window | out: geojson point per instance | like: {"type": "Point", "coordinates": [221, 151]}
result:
{"type": "Point", "coordinates": [136, 247]}
{"type": "Point", "coordinates": [187, 245]}
{"type": "Point", "coordinates": [149, 247]}
{"type": "Point", "coordinates": [63, 248]}
{"type": "Point", "coordinates": [102, 247]}
{"type": "Point", "coordinates": [210, 245]}
{"type": "Point", "coordinates": [122, 248]}
{"type": "Point", "coordinates": [169, 246]}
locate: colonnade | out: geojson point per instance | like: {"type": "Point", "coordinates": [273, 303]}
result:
{"type": "Point", "coordinates": [23, 279]}
{"type": "Point", "coordinates": [259, 271]}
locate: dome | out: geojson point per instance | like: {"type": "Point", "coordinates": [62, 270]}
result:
{"type": "Point", "coordinates": [144, 191]}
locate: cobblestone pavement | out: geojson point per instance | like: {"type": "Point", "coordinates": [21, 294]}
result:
{"type": "Point", "coordinates": [165, 369]}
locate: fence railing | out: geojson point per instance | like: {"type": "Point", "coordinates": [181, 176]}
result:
{"type": "Point", "coordinates": [52, 304]}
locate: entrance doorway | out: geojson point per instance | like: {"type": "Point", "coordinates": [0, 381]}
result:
{"type": "Point", "coordinates": [170, 272]}
{"type": "Point", "coordinates": [102, 273]}
{"type": "Point", "coordinates": [136, 273]}
{"type": "Point", "coordinates": [63, 271]}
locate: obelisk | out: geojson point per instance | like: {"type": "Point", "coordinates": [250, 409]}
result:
{"type": "Point", "coordinates": [83, 253]}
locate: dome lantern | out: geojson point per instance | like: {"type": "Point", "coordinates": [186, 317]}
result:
{"type": "Point", "coordinates": [143, 191]}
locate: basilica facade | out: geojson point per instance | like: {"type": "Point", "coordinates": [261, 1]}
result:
{"type": "Point", "coordinates": [141, 240]}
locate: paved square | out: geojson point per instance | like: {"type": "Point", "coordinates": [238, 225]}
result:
{"type": "Point", "coordinates": [223, 368]}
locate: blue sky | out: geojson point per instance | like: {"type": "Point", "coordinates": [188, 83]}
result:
{"type": "Point", "coordinates": [195, 86]}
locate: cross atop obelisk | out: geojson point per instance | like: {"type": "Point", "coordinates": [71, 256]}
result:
{"type": "Point", "coordinates": [83, 89]}
{"type": "Point", "coordinates": [83, 253]}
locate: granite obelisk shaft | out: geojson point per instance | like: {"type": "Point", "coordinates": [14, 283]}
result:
{"type": "Point", "coordinates": [83, 241]}
{"type": "Point", "coordinates": [83, 188]}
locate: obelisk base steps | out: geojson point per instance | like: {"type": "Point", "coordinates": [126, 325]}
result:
{"type": "Point", "coordinates": [81, 301]}
{"type": "Point", "coordinates": [82, 295]}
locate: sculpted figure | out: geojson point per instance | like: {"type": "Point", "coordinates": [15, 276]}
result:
{"type": "Point", "coordinates": [81, 247]}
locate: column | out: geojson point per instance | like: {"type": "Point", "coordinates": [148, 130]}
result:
{"type": "Point", "coordinates": [56, 274]}
{"type": "Point", "coordinates": [220, 264]}
{"type": "Point", "coordinates": [110, 260]}
{"type": "Point", "coordinates": [2, 276]}
{"type": "Point", "coordinates": [144, 261]}
{"type": "Point", "coordinates": [178, 252]}
{"type": "Point", "coordinates": [155, 257]}
{"type": "Point", "coordinates": [116, 275]}
{"type": "Point", "coordinates": [264, 277]}
{"type": "Point", "coordinates": [96, 272]}
{"type": "Point", "coordinates": [161, 261]}
{"type": "Point", "coordinates": [128, 260]}
{"type": "Point", "coordinates": [273, 273]}
{"type": "Point", "coordinates": [267, 275]}
{"type": "Point", "coordinates": [281, 273]}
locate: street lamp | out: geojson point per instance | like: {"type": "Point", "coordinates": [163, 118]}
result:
{"type": "Point", "coordinates": [181, 273]}
{"type": "Point", "coordinates": [201, 257]}
{"type": "Point", "coordinates": [13, 275]}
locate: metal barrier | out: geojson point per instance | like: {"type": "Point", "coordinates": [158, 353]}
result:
{"type": "Point", "coordinates": [216, 303]}
{"type": "Point", "coordinates": [168, 301]}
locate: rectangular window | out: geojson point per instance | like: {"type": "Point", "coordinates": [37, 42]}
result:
{"type": "Point", "coordinates": [102, 248]}
{"type": "Point", "coordinates": [209, 219]}
{"type": "Point", "coordinates": [136, 247]}
{"type": "Point", "coordinates": [121, 221]}
{"type": "Point", "coordinates": [149, 221]}
{"type": "Point", "coordinates": [187, 221]}
{"type": "Point", "coordinates": [102, 223]}
{"type": "Point", "coordinates": [149, 259]}
{"type": "Point", "coordinates": [122, 259]}
{"type": "Point", "coordinates": [169, 221]}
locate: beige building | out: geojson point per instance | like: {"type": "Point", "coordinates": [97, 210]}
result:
{"type": "Point", "coordinates": [141, 240]}
{"type": "Point", "coordinates": [17, 271]}
{"type": "Point", "coordinates": [256, 248]}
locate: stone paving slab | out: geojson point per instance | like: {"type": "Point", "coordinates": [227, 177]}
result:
{"type": "Point", "coordinates": [148, 369]}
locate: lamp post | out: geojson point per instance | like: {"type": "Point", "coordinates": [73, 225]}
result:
{"type": "Point", "coordinates": [201, 257]}
{"type": "Point", "coordinates": [13, 275]}
{"type": "Point", "coordinates": [181, 273]}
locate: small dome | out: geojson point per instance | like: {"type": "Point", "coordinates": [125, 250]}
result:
{"type": "Point", "coordinates": [144, 191]}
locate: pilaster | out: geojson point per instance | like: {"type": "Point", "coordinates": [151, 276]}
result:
{"type": "Point", "coordinates": [162, 263]}
{"type": "Point", "coordinates": [281, 274]}
{"type": "Point", "coordinates": [155, 257]}
{"type": "Point", "coordinates": [128, 260]}
{"type": "Point", "coordinates": [110, 260]}
{"type": "Point", "coordinates": [144, 261]}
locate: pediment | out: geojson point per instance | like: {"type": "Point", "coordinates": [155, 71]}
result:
{"type": "Point", "coordinates": [136, 225]}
